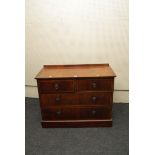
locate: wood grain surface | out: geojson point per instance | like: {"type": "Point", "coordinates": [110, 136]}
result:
{"type": "Point", "coordinates": [76, 95]}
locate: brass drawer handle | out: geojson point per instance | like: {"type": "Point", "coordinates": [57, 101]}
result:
{"type": "Point", "coordinates": [56, 86]}
{"type": "Point", "coordinates": [93, 112]}
{"type": "Point", "coordinates": [57, 99]}
{"type": "Point", "coordinates": [94, 98]}
{"type": "Point", "coordinates": [58, 113]}
{"type": "Point", "coordinates": [94, 84]}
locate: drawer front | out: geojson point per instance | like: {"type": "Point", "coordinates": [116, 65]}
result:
{"type": "Point", "coordinates": [96, 98]}
{"type": "Point", "coordinates": [95, 113]}
{"type": "Point", "coordinates": [106, 84]}
{"type": "Point", "coordinates": [49, 86]}
{"type": "Point", "coordinates": [60, 114]}
{"type": "Point", "coordinates": [71, 113]}
{"type": "Point", "coordinates": [48, 100]}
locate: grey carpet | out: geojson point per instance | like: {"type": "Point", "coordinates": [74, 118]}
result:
{"type": "Point", "coordinates": [76, 141]}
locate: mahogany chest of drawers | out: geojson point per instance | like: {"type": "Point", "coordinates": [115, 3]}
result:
{"type": "Point", "coordinates": [76, 95]}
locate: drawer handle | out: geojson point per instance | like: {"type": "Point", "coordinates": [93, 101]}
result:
{"type": "Point", "coordinates": [94, 98]}
{"type": "Point", "coordinates": [57, 99]}
{"type": "Point", "coordinates": [93, 112]}
{"type": "Point", "coordinates": [58, 113]}
{"type": "Point", "coordinates": [94, 84]}
{"type": "Point", "coordinates": [56, 86]}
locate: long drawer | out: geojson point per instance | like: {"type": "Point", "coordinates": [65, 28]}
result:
{"type": "Point", "coordinates": [70, 113]}
{"type": "Point", "coordinates": [85, 98]}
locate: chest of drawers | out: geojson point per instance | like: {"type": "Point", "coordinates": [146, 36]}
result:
{"type": "Point", "coordinates": [76, 95]}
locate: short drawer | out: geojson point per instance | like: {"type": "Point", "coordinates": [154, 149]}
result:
{"type": "Point", "coordinates": [104, 84]}
{"type": "Point", "coordinates": [48, 100]}
{"type": "Point", "coordinates": [48, 86]}
{"type": "Point", "coordinates": [70, 113]}
{"type": "Point", "coordinates": [96, 98]}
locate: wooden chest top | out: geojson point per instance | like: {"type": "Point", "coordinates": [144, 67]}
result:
{"type": "Point", "coordinates": [75, 71]}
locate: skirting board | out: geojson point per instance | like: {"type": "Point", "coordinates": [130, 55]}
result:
{"type": "Point", "coordinates": [119, 96]}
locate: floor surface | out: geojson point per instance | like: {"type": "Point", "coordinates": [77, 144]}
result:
{"type": "Point", "coordinates": [76, 141]}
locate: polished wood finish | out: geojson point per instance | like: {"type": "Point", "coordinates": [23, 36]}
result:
{"type": "Point", "coordinates": [95, 84]}
{"type": "Point", "coordinates": [76, 95]}
{"type": "Point", "coordinates": [48, 100]}
{"type": "Point", "coordinates": [50, 86]}
{"type": "Point", "coordinates": [76, 123]}
{"type": "Point", "coordinates": [95, 98]}
{"type": "Point", "coordinates": [75, 71]}
{"type": "Point", "coordinates": [76, 113]}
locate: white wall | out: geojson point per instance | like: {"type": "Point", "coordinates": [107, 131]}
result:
{"type": "Point", "coordinates": [74, 32]}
